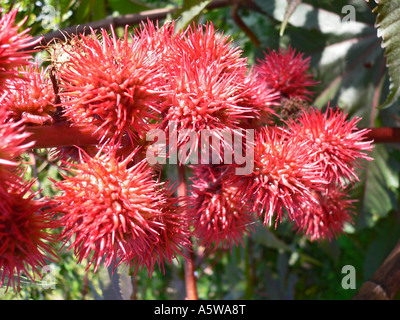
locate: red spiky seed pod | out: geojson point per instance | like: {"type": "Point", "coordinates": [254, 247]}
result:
{"type": "Point", "coordinates": [282, 178]}
{"type": "Point", "coordinates": [206, 87]}
{"type": "Point", "coordinates": [206, 45]}
{"type": "Point", "coordinates": [218, 214]}
{"type": "Point", "coordinates": [25, 241]}
{"type": "Point", "coordinates": [160, 41]}
{"type": "Point", "coordinates": [23, 236]}
{"type": "Point", "coordinates": [112, 210]}
{"type": "Point", "coordinates": [12, 143]}
{"type": "Point", "coordinates": [12, 43]}
{"type": "Point", "coordinates": [174, 233]}
{"type": "Point", "coordinates": [336, 141]}
{"type": "Point", "coordinates": [31, 98]}
{"type": "Point", "coordinates": [286, 71]}
{"type": "Point", "coordinates": [326, 218]}
{"type": "Point", "coordinates": [260, 102]}
{"type": "Point", "coordinates": [110, 82]}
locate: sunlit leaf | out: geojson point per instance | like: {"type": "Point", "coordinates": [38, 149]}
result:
{"type": "Point", "coordinates": [189, 12]}
{"type": "Point", "coordinates": [346, 56]}
{"type": "Point", "coordinates": [388, 25]}
{"type": "Point", "coordinates": [377, 189]}
{"type": "Point", "coordinates": [291, 7]}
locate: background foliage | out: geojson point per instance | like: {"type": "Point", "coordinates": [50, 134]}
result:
{"type": "Point", "coordinates": [349, 62]}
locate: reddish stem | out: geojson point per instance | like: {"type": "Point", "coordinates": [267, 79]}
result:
{"type": "Point", "coordinates": [63, 135]}
{"type": "Point", "coordinates": [235, 15]}
{"type": "Point", "coordinates": [189, 265]}
{"type": "Point", "coordinates": [384, 135]}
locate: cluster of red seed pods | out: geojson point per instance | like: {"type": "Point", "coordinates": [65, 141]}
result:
{"type": "Point", "coordinates": [114, 207]}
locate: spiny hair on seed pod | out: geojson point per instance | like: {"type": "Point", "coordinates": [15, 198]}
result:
{"type": "Point", "coordinates": [12, 143]}
{"type": "Point", "coordinates": [261, 103]}
{"type": "Point", "coordinates": [25, 243]}
{"type": "Point", "coordinates": [32, 97]}
{"type": "Point", "coordinates": [161, 41]}
{"type": "Point", "coordinates": [338, 144]}
{"type": "Point", "coordinates": [286, 71]}
{"type": "Point", "coordinates": [327, 218]}
{"type": "Point", "coordinates": [111, 82]}
{"type": "Point", "coordinates": [206, 45]}
{"type": "Point", "coordinates": [220, 218]}
{"type": "Point", "coordinates": [174, 233]}
{"type": "Point", "coordinates": [12, 43]}
{"type": "Point", "coordinates": [202, 100]}
{"type": "Point", "coordinates": [114, 211]}
{"type": "Point", "coordinates": [283, 175]}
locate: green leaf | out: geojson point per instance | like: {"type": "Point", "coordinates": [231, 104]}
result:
{"type": "Point", "coordinates": [388, 25]}
{"type": "Point", "coordinates": [291, 7]}
{"type": "Point", "coordinates": [109, 283]}
{"type": "Point", "coordinates": [310, 17]}
{"type": "Point", "coordinates": [128, 6]}
{"type": "Point", "coordinates": [346, 56]}
{"type": "Point", "coordinates": [377, 189]}
{"type": "Point", "coordinates": [387, 235]}
{"type": "Point", "coordinates": [125, 282]}
{"type": "Point", "coordinates": [65, 5]}
{"type": "Point", "coordinates": [189, 12]}
{"type": "Point", "coordinates": [98, 10]}
{"type": "Point", "coordinates": [266, 237]}
{"type": "Point", "coordinates": [82, 12]}
{"type": "Point", "coordinates": [115, 283]}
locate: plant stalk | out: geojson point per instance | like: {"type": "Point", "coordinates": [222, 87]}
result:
{"type": "Point", "coordinates": [384, 135]}
{"type": "Point", "coordinates": [189, 265]}
{"type": "Point", "coordinates": [385, 282]}
{"type": "Point", "coordinates": [63, 135]}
